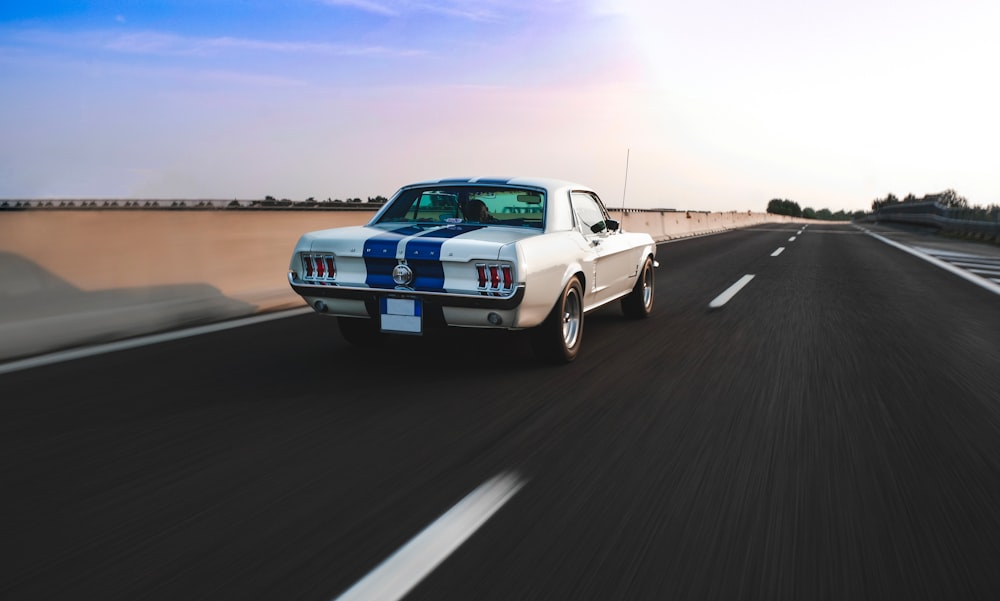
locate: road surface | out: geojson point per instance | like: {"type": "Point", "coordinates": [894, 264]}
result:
{"type": "Point", "coordinates": [832, 431]}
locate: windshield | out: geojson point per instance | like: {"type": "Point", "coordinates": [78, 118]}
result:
{"type": "Point", "coordinates": [494, 205]}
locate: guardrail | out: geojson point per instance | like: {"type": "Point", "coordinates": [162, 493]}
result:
{"type": "Point", "coordinates": [947, 219]}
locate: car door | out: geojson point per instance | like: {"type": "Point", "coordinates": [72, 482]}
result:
{"type": "Point", "coordinates": [614, 266]}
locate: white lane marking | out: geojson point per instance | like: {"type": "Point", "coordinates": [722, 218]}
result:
{"type": "Point", "coordinates": [131, 343]}
{"type": "Point", "coordinates": [792, 239]}
{"type": "Point", "coordinates": [971, 277]}
{"type": "Point", "coordinates": [405, 568]}
{"type": "Point", "coordinates": [780, 250]}
{"type": "Point", "coordinates": [730, 292]}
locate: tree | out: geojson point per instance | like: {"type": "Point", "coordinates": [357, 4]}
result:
{"type": "Point", "coordinates": [950, 198]}
{"type": "Point", "coordinates": [778, 206]}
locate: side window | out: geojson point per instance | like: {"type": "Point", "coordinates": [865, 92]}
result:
{"type": "Point", "coordinates": [589, 212]}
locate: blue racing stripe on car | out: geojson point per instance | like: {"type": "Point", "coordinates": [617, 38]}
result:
{"type": "Point", "coordinates": [427, 275]}
{"type": "Point", "coordinates": [380, 272]}
{"type": "Point", "coordinates": [385, 244]}
{"type": "Point", "coordinates": [379, 253]}
{"type": "Point", "coordinates": [428, 246]}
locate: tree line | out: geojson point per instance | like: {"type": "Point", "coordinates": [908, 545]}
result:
{"type": "Point", "coordinates": [783, 206]}
{"type": "Point", "coordinates": [270, 201]}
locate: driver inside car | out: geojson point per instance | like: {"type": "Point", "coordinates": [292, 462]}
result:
{"type": "Point", "coordinates": [475, 210]}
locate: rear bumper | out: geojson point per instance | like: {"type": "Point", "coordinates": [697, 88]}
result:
{"type": "Point", "coordinates": [442, 299]}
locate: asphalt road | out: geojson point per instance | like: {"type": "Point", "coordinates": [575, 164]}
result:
{"type": "Point", "coordinates": [832, 432]}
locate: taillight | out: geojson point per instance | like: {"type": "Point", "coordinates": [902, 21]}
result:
{"type": "Point", "coordinates": [319, 268]}
{"type": "Point", "coordinates": [495, 278]}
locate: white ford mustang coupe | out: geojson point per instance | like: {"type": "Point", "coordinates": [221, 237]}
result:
{"type": "Point", "coordinates": [510, 253]}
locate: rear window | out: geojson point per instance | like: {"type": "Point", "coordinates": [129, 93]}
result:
{"type": "Point", "coordinates": [490, 205]}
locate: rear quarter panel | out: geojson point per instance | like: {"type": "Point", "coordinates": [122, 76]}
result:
{"type": "Point", "coordinates": [547, 263]}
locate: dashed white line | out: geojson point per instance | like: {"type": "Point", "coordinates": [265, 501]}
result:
{"type": "Point", "coordinates": [730, 292]}
{"type": "Point", "coordinates": [792, 239]}
{"type": "Point", "coordinates": [402, 571]}
{"type": "Point", "coordinates": [780, 250]}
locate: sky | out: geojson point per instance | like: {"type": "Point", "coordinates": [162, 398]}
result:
{"type": "Point", "coordinates": [714, 105]}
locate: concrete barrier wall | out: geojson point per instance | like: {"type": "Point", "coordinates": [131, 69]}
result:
{"type": "Point", "coordinates": [77, 277]}
{"type": "Point", "coordinates": [672, 225]}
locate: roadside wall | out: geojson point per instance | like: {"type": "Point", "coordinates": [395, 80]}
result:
{"type": "Point", "coordinates": [78, 277]}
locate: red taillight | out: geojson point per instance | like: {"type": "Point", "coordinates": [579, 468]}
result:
{"type": "Point", "coordinates": [495, 278]}
{"type": "Point", "coordinates": [319, 267]}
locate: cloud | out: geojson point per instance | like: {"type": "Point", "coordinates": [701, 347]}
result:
{"type": "Point", "coordinates": [379, 8]}
{"type": "Point", "coordinates": [168, 44]}
{"type": "Point", "coordinates": [488, 11]}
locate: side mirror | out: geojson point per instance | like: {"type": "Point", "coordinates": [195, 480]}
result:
{"type": "Point", "coordinates": [598, 227]}
{"type": "Point", "coordinates": [613, 225]}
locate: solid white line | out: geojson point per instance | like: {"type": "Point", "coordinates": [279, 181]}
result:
{"type": "Point", "coordinates": [780, 250]}
{"type": "Point", "coordinates": [395, 576]}
{"type": "Point", "coordinates": [131, 343]}
{"type": "Point", "coordinates": [971, 277]}
{"type": "Point", "coordinates": [730, 292]}
{"type": "Point", "coordinates": [792, 239]}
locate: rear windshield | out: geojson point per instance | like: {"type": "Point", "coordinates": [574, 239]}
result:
{"type": "Point", "coordinates": [493, 205]}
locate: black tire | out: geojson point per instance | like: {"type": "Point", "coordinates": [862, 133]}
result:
{"type": "Point", "coordinates": [360, 331]}
{"type": "Point", "coordinates": [639, 303]}
{"type": "Point", "coordinates": [558, 338]}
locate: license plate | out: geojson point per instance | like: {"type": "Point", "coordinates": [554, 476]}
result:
{"type": "Point", "coordinates": [402, 315]}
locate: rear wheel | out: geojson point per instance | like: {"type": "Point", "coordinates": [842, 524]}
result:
{"type": "Point", "coordinates": [639, 303]}
{"type": "Point", "coordinates": [360, 331]}
{"type": "Point", "coordinates": [558, 338]}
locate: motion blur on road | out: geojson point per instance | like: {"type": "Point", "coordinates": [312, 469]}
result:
{"type": "Point", "coordinates": [830, 432]}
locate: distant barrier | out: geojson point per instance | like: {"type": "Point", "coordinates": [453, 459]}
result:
{"type": "Point", "coordinates": [664, 225]}
{"type": "Point", "coordinates": [73, 277]}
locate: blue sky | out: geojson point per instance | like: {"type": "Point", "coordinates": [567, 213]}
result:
{"type": "Point", "coordinates": [722, 105]}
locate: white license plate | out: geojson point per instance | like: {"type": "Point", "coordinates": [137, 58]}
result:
{"type": "Point", "coordinates": [401, 315]}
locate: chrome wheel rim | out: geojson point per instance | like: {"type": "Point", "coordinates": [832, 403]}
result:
{"type": "Point", "coordinates": [647, 287]}
{"type": "Point", "coordinates": [572, 311]}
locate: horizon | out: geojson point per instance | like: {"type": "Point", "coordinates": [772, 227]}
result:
{"type": "Point", "coordinates": [716, 106]}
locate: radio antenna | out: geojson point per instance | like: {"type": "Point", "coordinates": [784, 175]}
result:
{"type": "Point", "coordinates": [625, 187]}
